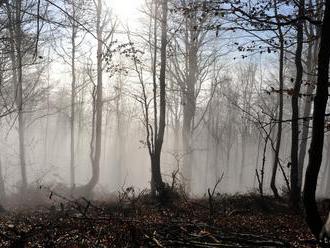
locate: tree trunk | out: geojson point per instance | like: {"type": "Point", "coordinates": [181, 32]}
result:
{"type": "Point", "coordinates": [325, 182]}
{"type": "Point", "coordinates": [99, 105]}
{"type": "Point", "coordinates": [120, 147]}
{"type": "Point", "coordinates": [187, 149]}
{"type": "Point", "coordinates": [243, 152]}
{"type": "Point", "coordinates": [311, 78]}
{"type": "Point", "coordinates": [295, 190]}
{"type": "Point", "coordinates": [15, 31]}
{"type": "Point", "coordinates": [2, 186]}
{"type": "Point", "coordinates": [189, 107]}
{"type": "Point", "coordinates": [155, 161]}
{"type": "Point", "coordinates": [216, 161]}
{"type": "Point", "coordinates": [21, 135]}
{"type": "Point", "coordinates": [307, 112]}
{"type": "Point", "coordinates": [230, 135]}
{"type": "Point", "coordinates": [188, 115]}
{"type": "Point", "coordinates": [73, 97]}
{"type": "Point", "coordinates": [21, 126]}
{"type": "Point", "coordinates": [313, 218]}
{"type": "Point", "coordinates": [280, 113]}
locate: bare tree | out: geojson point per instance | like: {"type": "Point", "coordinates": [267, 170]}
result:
{"type": "Point", "coordinates": [295, 190]}
{"type": "Point", "coordinates": [247, 78]}
{"type": "Point", "coordinates": [190, 67]}
{"type": "Point", "coordinates": [16, 36]}
{"type": "Point", "coordinates": [74, 30]}
{"type": "Point", "coordinates": [157, 178]}
{"type": "Point", "coordinates": [313, 34]}
{"type": "Point", "coordinates": [280, 101]}
{"type": "Point", "coordinates": [103, 38]}
{"type": "Point", "coordinates": [155, 126]}
{"type": "Point", "coordinates": [315, 153]}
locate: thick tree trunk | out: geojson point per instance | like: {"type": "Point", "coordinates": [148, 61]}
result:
{"type": "Point", "coordinates": [15, 31]}
{"type": "Point", "coordinates": [189, 107]}
{"type": "Point", "coordinates": [188, 116]}
{"type": "Point", "coordinates": [187, 149]}
{"type": "Point", "coordinates": [19, 99]}
{"type": "Point", "coordinates": [307, 110]}
{"type": "Point", "coordinates": [155, 161]}
{"type": "Point", "coordinates": [156, 177]}
{"type": "Point", "coordinates": [313, 218]}
{"type": "Point", "coordinates": [295, 190]}
{"type": "Point", "coordinates": [19, 96]}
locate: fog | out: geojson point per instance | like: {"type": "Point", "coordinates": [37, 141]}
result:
{"type": "Point", "coordinates": [86, 80]}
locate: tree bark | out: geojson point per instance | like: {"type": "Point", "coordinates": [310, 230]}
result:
{"type": "Point", "coordinates": [243, 153]}
{"type": "Point", "coordinates": [2, 185]}
{"type": "Point", "coordinates": [280, 112]}
{"type": "Point", "coordinates": [189, 109]}
{"type": "Point", "coordinates": [73, 97]}
{"type": "Point", "coordinates": [325, 182]}
{"type": "Point", "coordinates": [120, 139]}
{"type": "Point", "coordinates": [157, 180]}
{"type": "Point", "coordinates": [15, 31]}
{"type": "Point", "coordinates": [307, 109]}
{"type": "Point", "coordinates": [189, 102]}
{"type": "Point", "coordinates": [99, 104]}
{"type": "Point", "coordinates": [313, 218]}
{"type": "Point", "coordinates": [19, 97]}
{"type": "Point", "coordinates": [295, 190]}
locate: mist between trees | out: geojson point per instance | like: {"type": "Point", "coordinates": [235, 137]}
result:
{"type": "Point", "coordinates": [193, 92]}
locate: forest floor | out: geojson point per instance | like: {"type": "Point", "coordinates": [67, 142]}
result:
{"type": "Point", "coordinates": [136, 221]}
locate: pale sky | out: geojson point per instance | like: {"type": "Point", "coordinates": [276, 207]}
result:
{"type": "Point", "coordinates": [126, 10]}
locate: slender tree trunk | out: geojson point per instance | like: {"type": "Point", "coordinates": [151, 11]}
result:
{"type": "Point", "coordinates": [80, 118]}
{"type": "Point", "coordinates": [99, 104]}
{"type": "Point", "coordinates": [119, 137]}
{"type": "Point", "coordinates": [280, 113]}
{"type": "Point", "coordinates": [295, 190]}
{"type": "Point", "coordinates": [21, 132]}
{"type": "Point", "coordinates": [307, 112]}
{"type": "Point", "coordinates": [207, 162]}
{"type": "Point", "coordinates": [176, 140]}
{"type": "Point", "coordinates": [230, 135]}
{"type": "Point", "coordinates": [92, 140]}
{"type": "Point", "coordinates": [216, 161]}
{"type": "Point", "coordinates": [73, 97]}
{"type": "Point", "coordinates": [2, 186]}
{"type": "Point", "coordinates": [257, 158]}
{"type": "Point", "coordinates": [243, 152]}
{"type": "Point", "coordinates": [46, 146]}
{"type": "Point", "coordinates": [325, 182]}
{"type": "Point", "coordinates": [313, 218]}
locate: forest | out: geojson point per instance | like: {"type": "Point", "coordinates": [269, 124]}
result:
{"type": "Point", "coordinates": [164, 123]}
